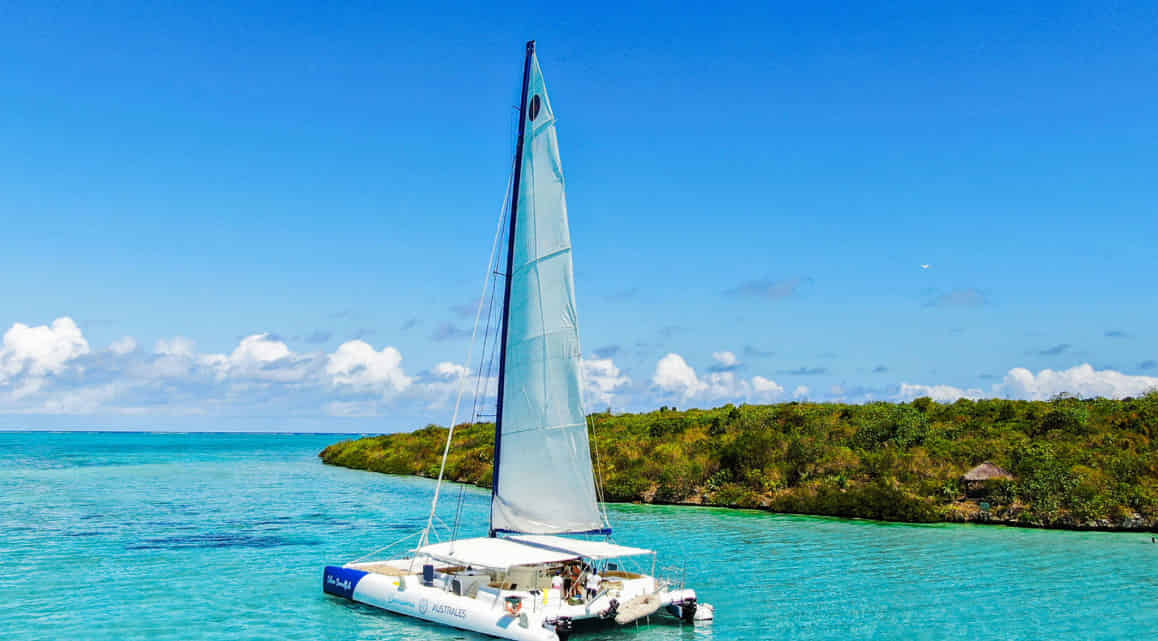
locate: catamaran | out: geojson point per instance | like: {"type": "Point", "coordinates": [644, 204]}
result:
{"type": "Point", "coordinates": [548, 568]}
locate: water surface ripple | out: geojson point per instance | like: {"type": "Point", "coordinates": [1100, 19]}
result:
{"type": "Point", "coordinates": [223, 536]}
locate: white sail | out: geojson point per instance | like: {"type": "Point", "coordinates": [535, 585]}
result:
{"type": "Point", "coordinates": [544, 481]}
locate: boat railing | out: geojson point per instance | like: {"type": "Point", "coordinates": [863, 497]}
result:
{"type": "Point", "coordinates": [604, 590]}
{"type": "Point", "coordinates": [368, 555]}
{"type": "Point", "coordinates": [671, 576]}
{"type": "Point", "coordinates": [621, 574]}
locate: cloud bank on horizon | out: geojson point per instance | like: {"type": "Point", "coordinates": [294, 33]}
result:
{"type": "Point", "coordinates": [52, 369]}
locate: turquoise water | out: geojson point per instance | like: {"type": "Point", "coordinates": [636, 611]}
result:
{"type": "Point", "coordinates": [223, 536]}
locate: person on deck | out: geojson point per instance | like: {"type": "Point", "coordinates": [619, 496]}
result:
{"type": "Point", "coordinates": [557, 583]}
{"type": "Point", "coordinates": [593, 581]}
{"type": "Point", "coordinates": [573, 584]}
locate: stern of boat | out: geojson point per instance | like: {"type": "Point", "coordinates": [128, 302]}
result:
{"type": "Point", "coordinates": [683, 605]}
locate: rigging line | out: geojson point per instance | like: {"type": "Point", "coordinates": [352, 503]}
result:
{"type": "Point", "coordinates": [598, 474]}
{"type": "Point", "coordinates": [489, 359]}
{"type": "Point", "coordinates": [602, 503]}
{"type": "Point", "coordinates": [458, 512]}
{"type": "Point", "coordinates": [487, 344]}
{"type": "Point", "coordinates": [486, 365]}
{"type": "Point", "coordinates": [465, 380]}
{"type": "Point", "coordinates": [491, 363]}
{"type": "Point", "coordinates": [482, 375]}
{"type": "Point", "coordinates": [384, 547]}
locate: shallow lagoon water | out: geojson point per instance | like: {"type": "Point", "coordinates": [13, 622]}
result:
{"type": "Point", "coordinates": [223, 536]}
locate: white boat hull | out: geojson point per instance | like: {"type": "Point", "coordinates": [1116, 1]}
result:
{"type": "Point", "coordinates": [406, 595]}
{"type": "Point", "coordinates": [485, 613]}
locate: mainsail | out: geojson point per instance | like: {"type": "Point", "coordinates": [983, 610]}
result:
{"type": "Point", "coordinates": [543, 481]}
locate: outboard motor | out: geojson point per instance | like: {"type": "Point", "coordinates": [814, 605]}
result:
{"type": "Point", "coordinates": [564, 626]}
{"type": "Point", "coordinates": [611, 611]}
{"type": "Point", "coordinates": [688, 610]}
{"type": "Point", "coordinates": [684, 609]}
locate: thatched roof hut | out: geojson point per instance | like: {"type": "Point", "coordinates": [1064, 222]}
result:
{"type": "Point", "coordinates": [976, 480]}
{"type": "Point", "coordinates": [986, 472]}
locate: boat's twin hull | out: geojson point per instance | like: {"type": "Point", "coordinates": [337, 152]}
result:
{"type": "Point", "coordinates": [406, 595]}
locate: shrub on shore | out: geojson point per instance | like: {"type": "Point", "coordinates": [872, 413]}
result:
{"type": "Point", "coordinates": [1075, 462]}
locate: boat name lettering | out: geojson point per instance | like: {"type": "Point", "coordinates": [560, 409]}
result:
{"type": "Point", "coordinates": [344, 584]}
{"type": "Point", "coordinates": [452, 611]}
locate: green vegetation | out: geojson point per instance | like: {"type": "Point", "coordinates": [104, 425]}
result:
{"type": "Point", "coordinates": [1076, 463]}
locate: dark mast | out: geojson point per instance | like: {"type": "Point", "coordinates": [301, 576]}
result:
{"type": "Point", "coordinates": [510, 268]}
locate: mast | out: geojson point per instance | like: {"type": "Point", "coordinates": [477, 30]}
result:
{"type": "Point", "coordinates": [510, 268]}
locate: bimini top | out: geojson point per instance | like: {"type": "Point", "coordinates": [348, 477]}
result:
{"type": "Point", "coordinates": [495, 553]}
{"type": "Point", "coordinates": [594, 550]}
{"type": "Point", "coordinates": [501, 554]}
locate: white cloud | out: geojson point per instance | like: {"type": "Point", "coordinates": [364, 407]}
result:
{"type": "Point", "coordinates": [1020, 383]}
{"type": "Point", "coordinates": [725, 359]}
{"type": "Point", "coordinates": [259, 349]}
{"type": "Point", "coordinates": [674, 376]}
{"type": "Point", "coordinates": [29, 355]}
{"type": "Point", "coordinates": [439, 388]}
{"type": "Point", "coordinates": [83, 400]}
{"type": "Point", "coordinates": [40, 350]}
{"type": "Point", "coordinates": [1081, 380]}
{"type": "Point", "coordinates": [123, 345]}
{"type": "Point", "coordinates": [766, 388]}
{"type": "Point", "coordinates": [50, 369]}
{"type": "Point", "coordinates": [357, 365]}
{"type": "Point", "coordinates": [451, 371]}
{"type": "Point", "coordinates": [176, 346]}
{"type": "Point", "coordinates": [721, 385]}
{"type": "Point", "coordinates": [939, 393]}
{"type": "Point", "coordinates": [260, 357]}
{"type": "Point", "coordinates": [601, 379]}
{"type": "Point", "coordinates": [172, 358]}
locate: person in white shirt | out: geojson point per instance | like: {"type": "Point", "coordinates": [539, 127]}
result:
{"type": "Point", "coordinates": [557, 583]}
{"type": "Point", "coordinates": [593, 580]}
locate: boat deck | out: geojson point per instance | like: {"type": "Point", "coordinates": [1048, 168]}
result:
{"type": "Point", "coordinates": [400, 567]}
{"type": "Point", "coordinates": [385, 569]}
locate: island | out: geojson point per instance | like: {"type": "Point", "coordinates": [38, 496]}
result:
{"type": "Point", "coordinates": [1066, 463]}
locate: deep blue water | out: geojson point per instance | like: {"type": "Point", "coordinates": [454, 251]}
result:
{"type": "Point", "coordinates": [223, 536]}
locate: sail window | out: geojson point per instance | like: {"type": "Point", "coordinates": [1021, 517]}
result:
{"type": "Point", "coordinates": [543, 482]}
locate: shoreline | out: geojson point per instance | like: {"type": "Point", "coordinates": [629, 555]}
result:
{"type": "Point", "coordinates": [1064, 464]}
{"type": "Point", "coordinates": [1135, 527]}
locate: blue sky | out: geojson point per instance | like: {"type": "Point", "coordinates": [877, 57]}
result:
{"type": "Point", "coordinates": [759, 179]}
